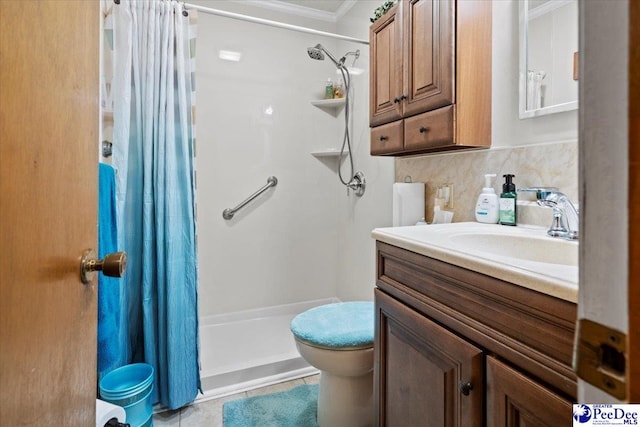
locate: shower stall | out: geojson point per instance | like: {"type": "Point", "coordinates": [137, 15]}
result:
{"type": "Point", "coordinates": [298, 244]}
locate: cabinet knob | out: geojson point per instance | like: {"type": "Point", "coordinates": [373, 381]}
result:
{"type": "Point", "coordinates": [465, 387]}
{"type": "Point", "coordinates": [423, 129]}
{"type": "Point", "coordinates": [396, 100]}
{"type": "Point", "coordinates": [403, 97]}
{"type": "Point", "coordinates": [383, 138]}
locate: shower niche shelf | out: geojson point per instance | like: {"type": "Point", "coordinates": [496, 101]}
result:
{"type": "Point", "coordinates": [328, 152]}
{"type": "Point", "coordinates": [328, 103]}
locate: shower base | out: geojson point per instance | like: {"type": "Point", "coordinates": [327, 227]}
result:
{"type": "Point", "coordinates": [251, 349]}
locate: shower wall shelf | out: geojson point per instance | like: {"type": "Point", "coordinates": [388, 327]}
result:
{"type": "Point", "coordinates": [328, 152]}
{"type": "Point", "coordinates": [328, 103]}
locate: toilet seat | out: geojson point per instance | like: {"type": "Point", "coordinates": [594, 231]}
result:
{"type": "Point", "coordinates": [337, 339]}
{"type": "Point", "coordinates": [340, 326]}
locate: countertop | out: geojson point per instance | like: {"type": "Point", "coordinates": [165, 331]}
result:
{"type": "Point", "coordinates": [523, 255]}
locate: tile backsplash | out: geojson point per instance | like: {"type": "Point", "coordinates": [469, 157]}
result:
{"type": "Point", "coordinates": [549, 164]}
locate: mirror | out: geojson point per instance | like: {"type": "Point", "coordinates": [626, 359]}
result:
{"type": "Point", "coordinates": [548, 57]}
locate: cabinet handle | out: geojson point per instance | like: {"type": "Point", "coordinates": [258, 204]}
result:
{"type": "Point", "coordinates": [403, 97]}
{"type": "Point", "coordinates": [396, 100]}
{"type": "Point", "coordinates": [423, 129]}
{"type": "Point", "coordinates": [383, 138]}
{"type": "Point", "coordinates": [465, 387]}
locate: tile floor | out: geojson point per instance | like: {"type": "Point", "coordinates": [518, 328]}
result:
{"type": "Point", "coordinates": [209, 413]}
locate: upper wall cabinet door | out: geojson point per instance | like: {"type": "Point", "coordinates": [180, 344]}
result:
{"type": "Point", "coordinates": [428, 60]}
{"type": "Point", "coordinates": [431, 71]}
{"type": "Point", "coordinates": [386, 72]}
{"type": "Point", "coordinates": [412, 60]}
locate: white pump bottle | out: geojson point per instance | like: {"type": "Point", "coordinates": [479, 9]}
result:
{"type": "Point", "coordinates": [487, 207]}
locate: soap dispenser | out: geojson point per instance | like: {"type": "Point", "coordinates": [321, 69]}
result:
{"type": "Point", "coordinates": [487, 206]}
{"type": "Point", "coordinates": [508, 198]}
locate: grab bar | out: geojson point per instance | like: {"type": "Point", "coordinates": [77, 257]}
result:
{"type": "Point", "coordinates": [227, 214]}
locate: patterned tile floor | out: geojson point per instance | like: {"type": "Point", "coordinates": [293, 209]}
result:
{"type": "Point", "coordinates": [209, 413]}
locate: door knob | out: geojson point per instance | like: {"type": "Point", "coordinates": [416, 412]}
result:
{"type": "Point", "coordinates": [112, 265]}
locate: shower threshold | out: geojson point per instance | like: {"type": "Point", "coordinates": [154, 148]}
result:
{"type": "Point", "coordinates": [250, 349]}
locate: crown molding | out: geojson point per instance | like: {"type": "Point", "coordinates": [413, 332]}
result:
{"type": "Point", "coordinates": [293, 9]}
{"type": "Point", "coordinates": [547, 7]}
{"type": "Point", "coordinates": [344, 8]}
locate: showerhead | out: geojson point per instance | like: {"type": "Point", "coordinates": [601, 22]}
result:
{"type": "Point", "coordinates": [318, 51]}
{"type": "Point", "coordinates": [315, 53]}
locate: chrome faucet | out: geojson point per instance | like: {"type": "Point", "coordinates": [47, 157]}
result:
{"type": "Point", "coordinates": [565, 222]}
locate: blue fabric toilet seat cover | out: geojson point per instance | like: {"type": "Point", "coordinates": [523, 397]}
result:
{"type": "Point", "coordinates": [338, 326]}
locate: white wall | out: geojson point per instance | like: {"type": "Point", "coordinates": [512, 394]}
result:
{"type": "Point", "coordinates": [507, 128]}
{"type": "Point", "coordinates": [289, 246]}
{"type": "Point", "coordinates": [358, 216]}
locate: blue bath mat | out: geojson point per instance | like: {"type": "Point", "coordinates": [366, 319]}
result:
{"type": "Point", "coordinates": [293, 408]}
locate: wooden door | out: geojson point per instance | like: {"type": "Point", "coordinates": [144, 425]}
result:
{"type": "Point", "coordinates": [514, 400]}
{"type": "Point", "coordinates": [385, 84]}
{"type": "Point", "coordinates": [429, 55]}
{"type": "Point", "coordinates": [419, 368]}
{"type": "Point", "coordinates": [49, 82]}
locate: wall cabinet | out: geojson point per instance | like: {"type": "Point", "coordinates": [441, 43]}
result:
{"type": "Point", "coordinates": [455, 347]}
{"type": "Point", "coordinates": [431, 62]}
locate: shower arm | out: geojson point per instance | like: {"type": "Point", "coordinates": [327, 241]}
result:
{"type": "Point", "coordinates": [356, 55]}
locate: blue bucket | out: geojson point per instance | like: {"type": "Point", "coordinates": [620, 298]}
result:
{"type": "Point", "coordinates": [130, 387]}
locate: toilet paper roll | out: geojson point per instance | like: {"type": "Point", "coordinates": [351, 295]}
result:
{"type": "Point", "coordinates": [105, 411]}
{"type": "Point", "coordinates": [408, 203]}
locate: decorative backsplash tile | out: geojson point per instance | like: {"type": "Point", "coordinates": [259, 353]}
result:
{"type": "Point", "coordinates": [549, 165]}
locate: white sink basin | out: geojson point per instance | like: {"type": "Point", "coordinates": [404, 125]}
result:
{"type": "Point", "coordinates": [522, 255]}
{"type": "Point", "coordinates": [534, 248]}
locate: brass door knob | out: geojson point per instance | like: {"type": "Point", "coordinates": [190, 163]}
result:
{"type": "Point", "coordinates": [112, 265]}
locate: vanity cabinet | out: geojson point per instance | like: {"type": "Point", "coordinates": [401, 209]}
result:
{"type": "Point", "coordinates": [514, 400]}
{"type": "Point", "coordinates": [456, 347]}
{"type": "Point", "coordinates": [430, 76]}
{"type": "Point", "coordinates": [422, 359]}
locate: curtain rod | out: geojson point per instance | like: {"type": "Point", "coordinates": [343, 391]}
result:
{"type": "Point", "coordinates": [270, 23]}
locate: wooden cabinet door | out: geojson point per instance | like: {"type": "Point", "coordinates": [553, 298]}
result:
{"type": "Point", "coordinates": [385, 84]}
{"type": "Point", "coordinates": [49, 83]}
{"type": "Point", "coordinates": [428, 45]}
{"type": "Point", "coordinates": [418, 370]}
{"type": "Point", "coordinates": [515, 400]}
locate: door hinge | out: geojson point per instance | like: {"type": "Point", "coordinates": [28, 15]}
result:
{"type": "Point", "coordinates": [600, 357]}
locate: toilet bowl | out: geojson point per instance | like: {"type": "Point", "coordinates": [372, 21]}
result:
{"type": "Point", "coordinates": [106, 411]}
{"type": "Point", "coordinates": [337, 339]}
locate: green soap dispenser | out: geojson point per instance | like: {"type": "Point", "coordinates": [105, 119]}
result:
{"type": "Point", "coordinates": [508, 198]}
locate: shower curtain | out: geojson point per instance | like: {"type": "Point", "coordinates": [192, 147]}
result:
{"type": "Point", "coordinates": [153, 154]}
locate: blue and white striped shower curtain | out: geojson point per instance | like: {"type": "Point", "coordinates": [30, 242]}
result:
{"type": "Point", "coordinates": [153, 153]}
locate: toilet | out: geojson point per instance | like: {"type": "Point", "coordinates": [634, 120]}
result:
{"type": "Point", "coordinates": [337, 339]}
